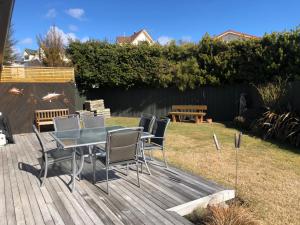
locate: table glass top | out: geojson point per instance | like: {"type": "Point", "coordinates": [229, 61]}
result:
{"type": "Point", "coordinates": [86, 136]}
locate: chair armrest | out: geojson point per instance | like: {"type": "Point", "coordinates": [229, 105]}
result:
{"type": "Point", "coordinates": [157, 138]}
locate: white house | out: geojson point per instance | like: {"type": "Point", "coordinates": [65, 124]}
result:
{"type": "Point", "coordinates": [35, 57]}
{"type": "Point", "coordinates": [231, 35]}
{"type": "Point", "coordinates": [30, 55]}
{"type": "Point", "coordinates": [136, 38]}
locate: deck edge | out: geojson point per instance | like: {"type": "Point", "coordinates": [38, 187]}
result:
{"type": "Point", "coordinates": [189, 207]}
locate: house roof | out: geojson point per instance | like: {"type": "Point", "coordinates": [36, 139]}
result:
{"type": "Point", "coordinates": [30, 51]}
{"type": "Point", "coordinates": [130, 39]}
{"type": "Point", "coordinates": [240, 34]}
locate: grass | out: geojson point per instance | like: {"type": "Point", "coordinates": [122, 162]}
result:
{"type": "Point", "coordinates": [218, 215]}
{"type": "Point", "coordinates": [269, 174]}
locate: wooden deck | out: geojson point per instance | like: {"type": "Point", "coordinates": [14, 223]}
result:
{"type": "Point", "coordinates": [23, 201]}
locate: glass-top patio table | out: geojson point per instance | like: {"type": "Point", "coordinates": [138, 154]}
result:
{"type": "Point", "coordinates": [72, 139]}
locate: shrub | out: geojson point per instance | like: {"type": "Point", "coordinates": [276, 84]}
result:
{"type": "Point", "coordinates": [277, 122]}
{"type": "Point", "coordinates": [218, 215]}
{"type": "Point", "coordinates": [272, 93]}
{"type": "Point", "coordinates": [188, 65]}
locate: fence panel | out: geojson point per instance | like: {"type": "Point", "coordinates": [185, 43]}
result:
{"type": "Point", "coordinates": [37, 74]}
{"type": "Point", "coordinates": [222, 102]}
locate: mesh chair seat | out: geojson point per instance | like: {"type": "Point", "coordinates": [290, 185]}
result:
{"type": "Point", "coordinates": [102, 157]}
{"type": "Point", "coordinates": [50, 155]}
{"type": "Point", "coordinates": [151, 145]}
{"type": "Point", "coordinates": [86, 151]}
{"type": "Point", "coordinates": [57, 155]}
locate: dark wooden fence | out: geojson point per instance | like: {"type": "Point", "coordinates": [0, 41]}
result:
{"type": "Point", "coordinates": [20, 108]}
{"type": "Point", "coordinates": [222, 102]}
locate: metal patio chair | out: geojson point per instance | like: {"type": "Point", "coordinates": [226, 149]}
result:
{"type": "Point", "coordinates": [147, 121]}
{"type": "Point", "coordinates": [50, 155]}
{"type": "Point", "coordinates": [158, 141]}
{"type": "Point", "coordinates": [93, 121]}
{"type": "Point", "coordinates": [66, 123]}
{"type": "Point", "coordinates": [122, 148]}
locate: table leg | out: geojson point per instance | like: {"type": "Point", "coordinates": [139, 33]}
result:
{"type": "Point", "coordinates": [94, 166]}
{"type": "Point", "coordinates": [73, 170]}
{"type": "Point", "coordinates": [144, 157]}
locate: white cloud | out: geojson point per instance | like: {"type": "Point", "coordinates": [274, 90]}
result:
{"type": "Point", "coordinates": [66, 37]}
{"type": "Point", "coordinates": [77, 13]}
{"type": "Point", "coordinates": [16, 50]}
{"type": "Point", "coordinates": [51, 13]}
{"type": "Point", "coordinates": [164, 40]}
{"type": "Point", "coordinates": [73, 27]}
{"type": "Point", "coordinates": [85, 39]}
{"type": "Point", "coordinates": [186, 38]}
{"type": "Point", "coordinates": [26, 41]}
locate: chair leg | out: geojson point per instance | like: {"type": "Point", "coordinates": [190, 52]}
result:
{"type": "Point", "coordinates": [151, 155]}
{"type": "Point", "coordinates": [94, 168]}
{"type": "Point", "coordinates": [147, 167]}
{"type": "Point", "coordinates": [79, 175]}
{"type": "Point", "coordinates": [137, 173]}
{"type": "Point", "coordinates": [90, 153]}
{"type": "Point", "coordinates": [45, 175]}
{"type": "Point", "coordinates": [107, 188]}
{"type": "Point", "coordinates": [164, 155]}
{"type": "Point", "coordinates": [41, 171]}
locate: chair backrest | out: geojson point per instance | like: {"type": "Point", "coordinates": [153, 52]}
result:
{"type": "Point", "coordinates": [92, 121]}
{"type": "Point", "coordinates": [66, 123]}
{"type": "Point", "coordinates": [159, 130]}
{"type": "Point", "coordinates": [40, 138]}
{"type": "Point", "coordinates": [146, 122]}
{"type": "Point", "coordinates": [122, 144]}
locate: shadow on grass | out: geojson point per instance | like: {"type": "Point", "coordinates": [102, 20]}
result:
{"type": "Point", "coordinates": [280, 144]}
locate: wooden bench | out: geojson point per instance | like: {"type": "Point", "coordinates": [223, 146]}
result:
{"type": "Point", "coordinates": [197, 111]}
{"type": "Point", "coordinates": [45, 117]}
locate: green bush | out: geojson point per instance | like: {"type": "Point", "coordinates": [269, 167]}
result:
{"type": "Point", "coordinates": [188, 65]}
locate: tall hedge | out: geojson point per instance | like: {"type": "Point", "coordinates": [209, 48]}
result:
{"type": "Point", "coordinates": [189, 65]}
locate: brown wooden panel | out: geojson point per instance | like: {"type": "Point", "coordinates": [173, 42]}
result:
{"type": "Point", "coordinates": [37, 74]}
{"type": "Point", "coordinates": [188, 113]}
{"type": "Point", "coordinates": [189, 107]}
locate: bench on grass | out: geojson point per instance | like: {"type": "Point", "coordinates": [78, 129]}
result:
{"type": "Point", "coordinates": [180, 111]}
{"type": "Point", "coordinates": [45, 117]}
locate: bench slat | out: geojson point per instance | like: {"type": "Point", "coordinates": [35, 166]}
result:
{"type": "Point", "coordinates": [45, 117]}
{"type": "Point", "coordinates": [189, 107]}
{"type": "Point", "coordinates": [188, 113]}
{"type": "Point", "coordinates": [198, 111]}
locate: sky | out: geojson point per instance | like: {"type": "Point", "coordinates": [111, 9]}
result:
{"type": "Point", "coordinates": [165, 20]}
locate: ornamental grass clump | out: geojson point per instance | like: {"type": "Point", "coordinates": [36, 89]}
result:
{"type": "Point", "coordinates": [234, 214]}
{"type": "Point", "coordinates": [277, 122]}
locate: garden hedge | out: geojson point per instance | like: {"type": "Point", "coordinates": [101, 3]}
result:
{"type": "Point", "coordinates": [187, 65]}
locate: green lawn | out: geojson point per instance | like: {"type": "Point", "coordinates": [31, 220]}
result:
{"type": "Point", "coordinates": [268, 177]}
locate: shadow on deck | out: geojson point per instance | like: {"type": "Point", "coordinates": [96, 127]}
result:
{"type": "Point", "coordinates": [164, 197]}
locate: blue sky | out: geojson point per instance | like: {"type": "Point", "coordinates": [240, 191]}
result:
{"type": "Point", "coordinates": [164, 19]}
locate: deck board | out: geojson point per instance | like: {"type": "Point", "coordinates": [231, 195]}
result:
{"type": "Point", "coordinates": [23, 201]}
